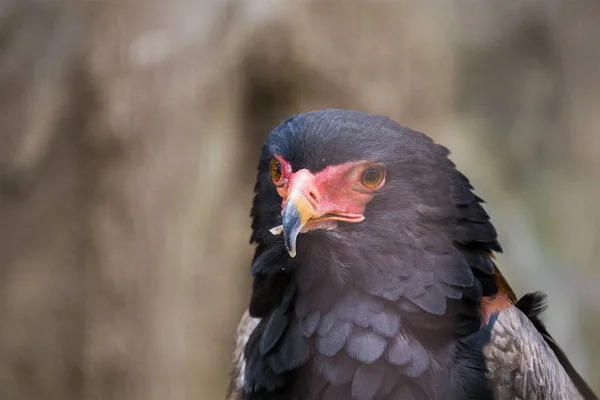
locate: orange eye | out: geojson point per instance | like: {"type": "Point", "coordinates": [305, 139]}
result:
{"type": "Point", "coordinates": [275, 168]}
{"type": "Point", "coordinates": [373, 176]}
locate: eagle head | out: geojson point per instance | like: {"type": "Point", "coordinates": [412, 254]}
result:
{"type": "Point", "coordinates": [366, 235]}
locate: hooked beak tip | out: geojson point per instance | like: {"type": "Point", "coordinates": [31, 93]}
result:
{"type": "Point", "coordinates": [293, 222]}
{"type": "Point", "coordinates": [292, 252]}
{"type": "Point", "coordinates": [278, 230]}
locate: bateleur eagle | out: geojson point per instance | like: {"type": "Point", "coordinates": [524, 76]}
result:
{"type": "Point", "coordinates": [374, 277]}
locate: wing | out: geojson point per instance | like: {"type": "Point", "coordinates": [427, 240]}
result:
{"type": "Point", "coordinates": [523, 360]}
{"type": "Point", "coordinates": [244, 329]}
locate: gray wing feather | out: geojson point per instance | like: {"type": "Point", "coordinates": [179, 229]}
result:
{"type": "Point", "coordinates": [244, 330]}
{"type": "Point", "coordinates": [520, 363]}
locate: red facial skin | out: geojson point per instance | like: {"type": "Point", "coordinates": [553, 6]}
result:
{"type": "Point", "coordinates": [335, 193]}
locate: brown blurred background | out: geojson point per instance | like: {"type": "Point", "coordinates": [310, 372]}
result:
{"type": "Point", "coordinates": [129, 132]}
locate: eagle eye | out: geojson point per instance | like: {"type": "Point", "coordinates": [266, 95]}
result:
{"type": "Point", "coordinates": [373, 176]}
{"type": "Point", "coordinates": [276, 173]}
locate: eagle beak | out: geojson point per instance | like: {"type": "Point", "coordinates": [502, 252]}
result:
{"type": "Point", "coordinates": [311, 205]}
{"type": "Point", "coordinates": [297, 212]}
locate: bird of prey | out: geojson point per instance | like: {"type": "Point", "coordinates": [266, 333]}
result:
{"type": "Point", "coordinates": [374, 277]}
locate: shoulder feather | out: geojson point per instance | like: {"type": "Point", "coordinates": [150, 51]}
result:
{"type": "Point", "coordinates": [524, 361]}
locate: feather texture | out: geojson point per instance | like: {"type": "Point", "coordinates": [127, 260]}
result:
{"type": "Point", "coordinates": [520, 363]}
{"type": "Point", "coordinates": [388, 308]}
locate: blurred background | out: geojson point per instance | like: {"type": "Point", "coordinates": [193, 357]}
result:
{"type": "Point", "coordinates": [130, 130]}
